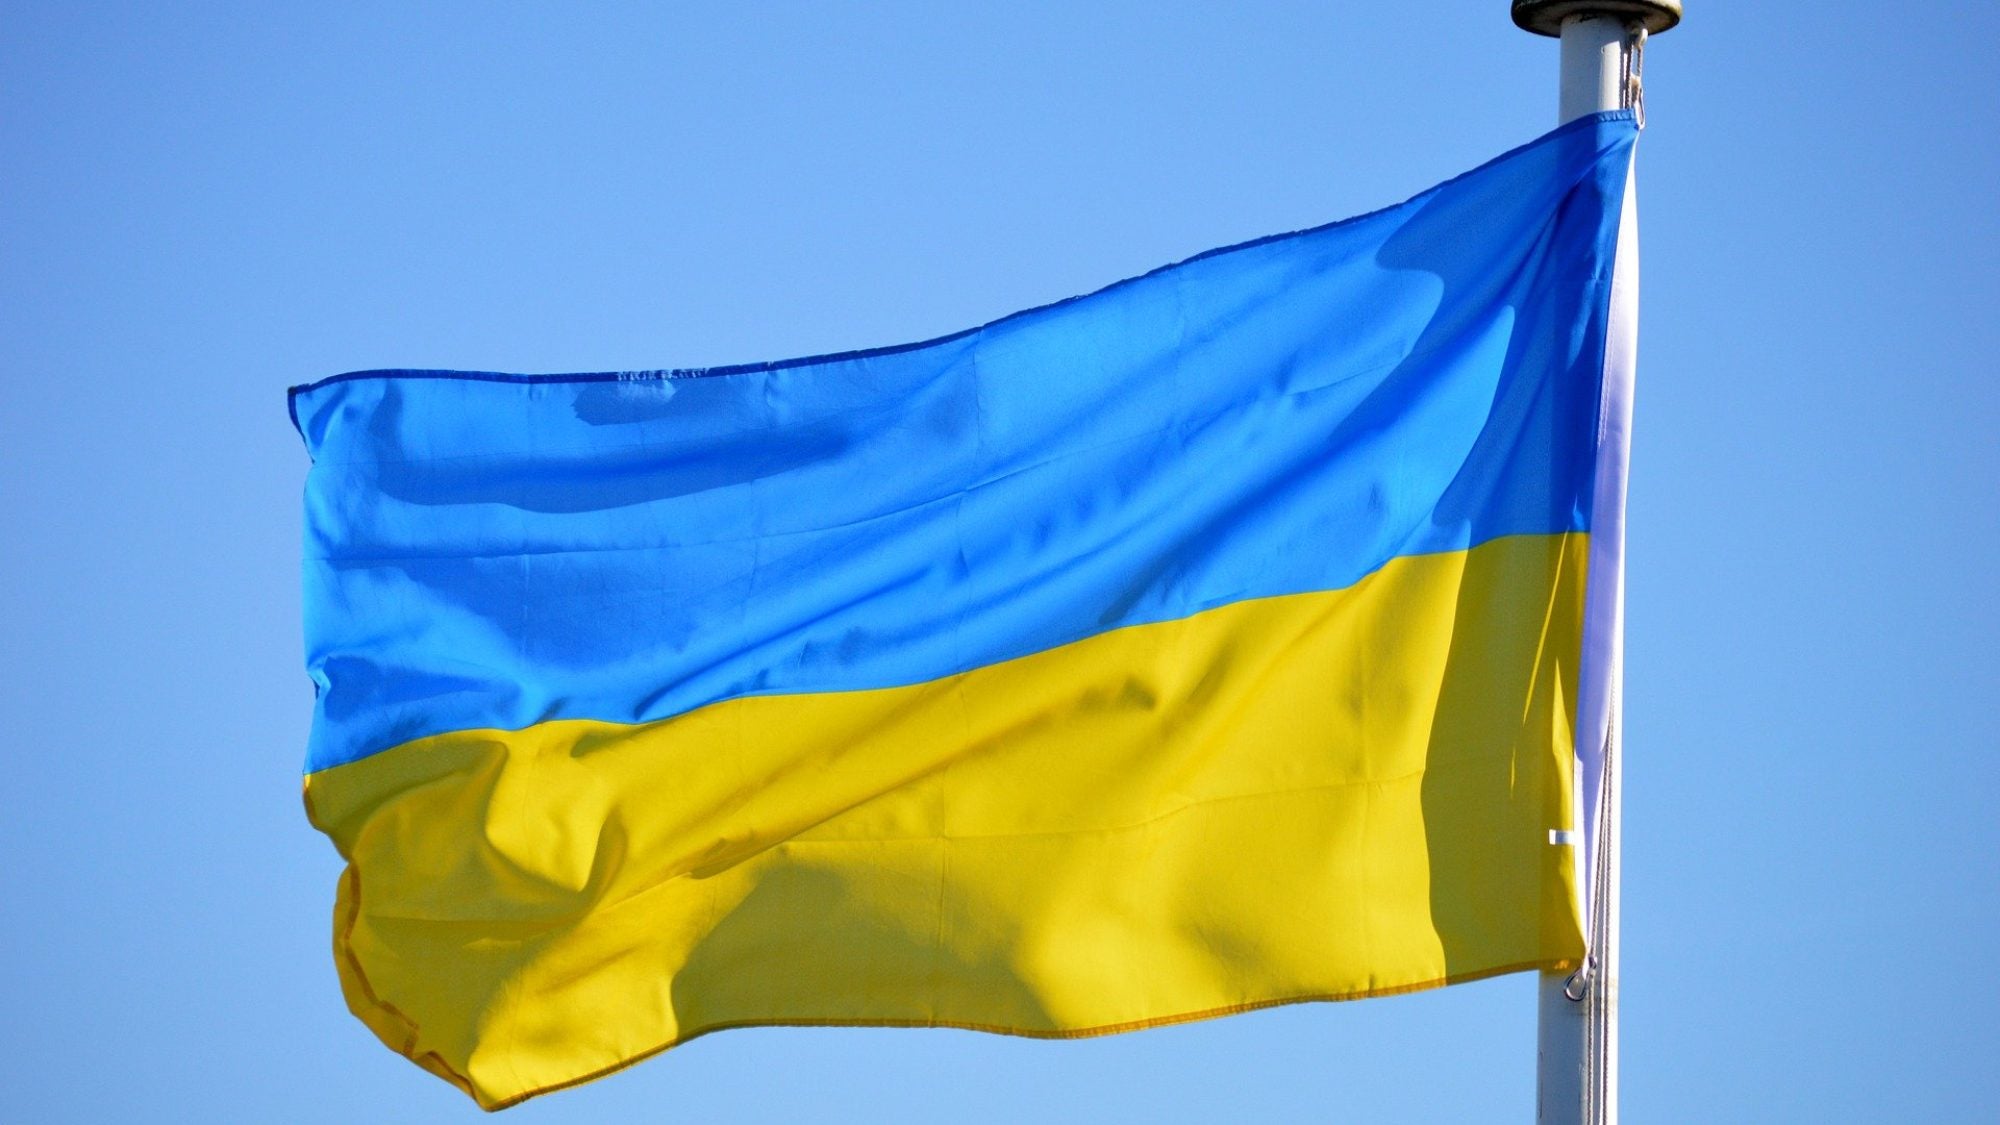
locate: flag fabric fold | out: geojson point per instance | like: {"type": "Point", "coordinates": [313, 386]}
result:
{"type": "Point", "coordinates": [1208, 642]}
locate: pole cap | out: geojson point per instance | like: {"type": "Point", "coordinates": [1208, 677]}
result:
{"type": "Point", "coordinates": [1545, 17]}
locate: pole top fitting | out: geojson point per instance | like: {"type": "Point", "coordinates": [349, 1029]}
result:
{"type": "Point", "coordinates": [1545, 17]}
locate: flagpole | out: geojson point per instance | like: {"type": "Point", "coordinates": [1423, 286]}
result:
{"type": "Point", "coordinates": [1576, 1080]}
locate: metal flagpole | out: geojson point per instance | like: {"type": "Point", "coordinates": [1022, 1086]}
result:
{"type": "Point", "coordinates": [1577, 1026]}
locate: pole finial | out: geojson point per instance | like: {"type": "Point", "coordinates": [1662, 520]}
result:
{"type": "Point", "coordinates": [1545, 17]}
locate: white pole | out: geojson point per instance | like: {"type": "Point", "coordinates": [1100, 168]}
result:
{"type": "Point", "coordinates": [1576, 1075]}
{"type": "Point", "coordinates": [1577, 1018]}
{"type": "Point", "coordinates": [1593, 56]}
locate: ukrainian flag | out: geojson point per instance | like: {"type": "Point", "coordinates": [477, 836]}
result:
{"type": "Point", "coordinates": [1208, 642]}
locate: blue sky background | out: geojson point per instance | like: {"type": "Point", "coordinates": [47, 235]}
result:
{"type": "Point", "coordinates": [201, 204]}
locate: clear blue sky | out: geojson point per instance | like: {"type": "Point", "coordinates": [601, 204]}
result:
{"type": "Point", "coordinates": [201, 206]}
